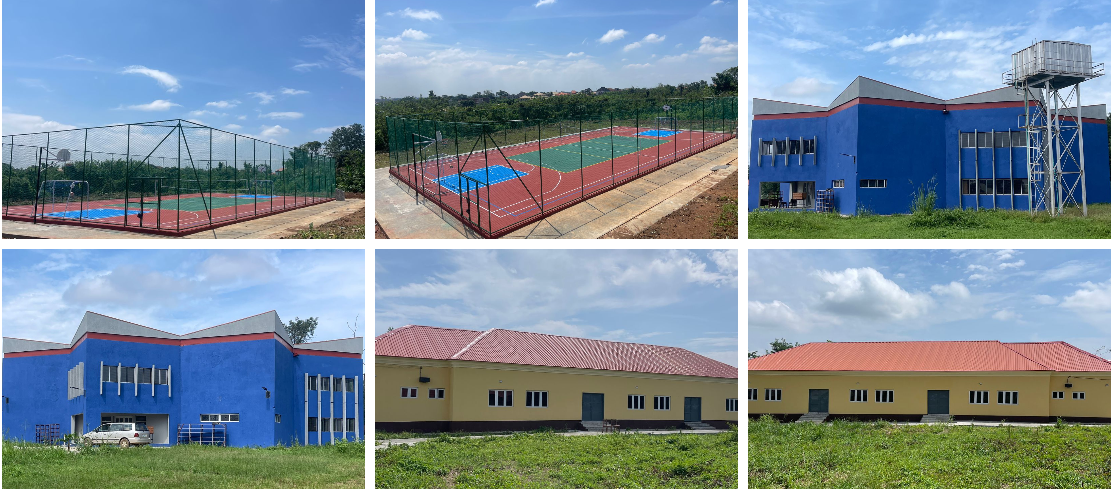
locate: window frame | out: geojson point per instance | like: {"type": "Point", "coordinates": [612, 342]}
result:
{"type": "Point", "coordinates": [543, 399]}
{"type": "Point", "coordinates": [873, 183]}
{"type": "Point", "coordinates": [436, 393]}
{"type": "Point", "coordinates": [809, 148]}
{"type": "Point", "coordinates": [141, 375]}
{"type": "Point", "coordinates": [773, 394]}
{"type": "Point", "coordinates": [1013, 397]}
{"type": "Point", "coordinates": [312, 383]}
{"type": "Point", "coordinates": [1075, 396]}
{"type": "Point", "coordinates": [641, 399]}
{"type": "Point", "coordinates": [888, 396]}
{"type": "Point", "coordinates": [1057, 395]}
{"type": "Point", "coordinates": [978, 397]}
{"type": "Point", "coordinates": [501, 398]}
{"type": "Point", "coordinates": [658, 403]}
{"type": "Point", "coordinates": [224, 418]}
{"type": "Point", "coordinates": [753, 394]}
{"type": "Point", "coordinates": [350, 424]}
{"type": "Point", "coordinates": [732, 404]}
{"type": "Point", "coordinates": [413, 392]}
{"type": "Point", "coordinates": [312, 424]}
{"type": "Point", "coordinates": [161, 376]}
{"type": "Point", "coordinates": [838, 184]}
{"type": "Point", "coordinates": [109, 374]}
{"type": "Point", "coordinates": [858, 396]}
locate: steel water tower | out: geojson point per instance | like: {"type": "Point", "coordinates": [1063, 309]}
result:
{"type": "Point", "coordinates": [1041, 74]}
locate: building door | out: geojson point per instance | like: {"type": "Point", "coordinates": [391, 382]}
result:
{"type": "Point", "coordinates": [692, 407]}
{"type": "Point", "coordinates": [78, 424]}
{"type": "Point", "coordinates": [937, 401]}
{"type": "Point", "coordinates": [819, 401]}
{"type": "Point", "coordinates": [592, 406]}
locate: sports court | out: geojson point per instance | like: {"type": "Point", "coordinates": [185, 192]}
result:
{"type": "Point", "coordinates": [499, 176]}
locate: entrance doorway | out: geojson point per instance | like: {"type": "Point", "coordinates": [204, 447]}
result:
{"type": "Point", "coordinates": [592, 406]}
{"type": "Point", "coordinates": [937, 401]}
{"type": "Point", "coordinates": [692, 407]}
{"type": "Point", "coordinates": [819, 401]}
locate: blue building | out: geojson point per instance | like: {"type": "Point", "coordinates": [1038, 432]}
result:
{"type": "Point", "coordinates": [245, 374]}
{"type": "Point", "coordinates": [876, 144]}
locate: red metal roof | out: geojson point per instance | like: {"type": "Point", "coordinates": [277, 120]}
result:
{"type": "Point", "coordinates": [1060, 356]}
{"type": "Point", "coordinates": [515, 347]}
{"type": "Point", "coordinates": [984, 355]}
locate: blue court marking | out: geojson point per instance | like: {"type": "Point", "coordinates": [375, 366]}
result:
{"type": "Point", "coordinates": [658, 133]}
{"type": "Point", "coordinates": [496, 174]}
{"type": "Point", "coordinates": [95, 213]}
{"type": "Point", "coordinates": [253, 196]}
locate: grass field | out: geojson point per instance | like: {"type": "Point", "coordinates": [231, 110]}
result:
{"type": "Point", "coordinates": [548, 460]}
{"type": "Point", "coordinates": [881, 455]}
{"type": "Point", "coordinates": [185, 466]}
{"type": "Point", "coordinates": [941, 223]}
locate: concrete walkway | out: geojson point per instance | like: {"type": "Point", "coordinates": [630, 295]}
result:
{"type": "Point", "coordinates": [632, 207]}
{"type": "Point", "coordinates": [411, 442]}
{"type": "Point", "coordinates": [274, 226]}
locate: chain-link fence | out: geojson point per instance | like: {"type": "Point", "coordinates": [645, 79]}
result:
{"type": "Point", "coordinates": [168, 177]}
{"type": "Point", "coordinates": [497, 176]}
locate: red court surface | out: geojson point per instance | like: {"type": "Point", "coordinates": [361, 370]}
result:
{"type": "Point", "coordinates": [160, 218]}
{"type": "Point", "coordinates": [513, 201]}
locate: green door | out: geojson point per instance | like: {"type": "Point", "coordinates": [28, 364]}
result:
{"type": "Point", "coordinates": [592, 406]}
{"type": "Point", "coordinates": [819, 401]}
{"type": "Point", "coordinates": [937, 401]}
{"type": "Point", "coordinates": [692, 407]}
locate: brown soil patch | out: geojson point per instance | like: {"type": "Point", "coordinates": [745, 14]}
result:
{"type": "Point", "coordinates": [349, 226]}
{"type": "Point", "coordinates": [712, 214]}
{"type": "Point", "coordinates": [380, 233]}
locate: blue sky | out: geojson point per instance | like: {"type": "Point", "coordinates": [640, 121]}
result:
{"type": "Point", "coordinates": [875, 295]}
{"type": "Point", "coordinates": [549, 45]}
{"type": "Point", "coordinates": [280, 70]}
{"type": "Point", "coordinates": [678, 298]}
{"type": "Point", "coordinates": [808, 51]}
{"type": "Point", "coordinates": [46, 292]}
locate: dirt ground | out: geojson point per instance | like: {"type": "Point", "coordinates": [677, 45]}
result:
{"type": "Point", "coordinates": [350, 226]}
{"type": "Point", "coordinates": [712, 214]}
{"type": "Point", "coordinates": [380, 233]}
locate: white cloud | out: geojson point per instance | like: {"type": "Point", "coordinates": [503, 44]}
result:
{"type": "Point", "coordinates": [421, 14]}
{"type": "Point", "coordinates": [415, 34]}
{"type": "Point", "coordinates": [575, 55]}
{"type": "Point", "coordinates": [612, 35]}
{"type": "Point", "coordinates": [717, 2]}
{"type": "Point", "coordinates": [1066, 270]}
{"type": "Point", "coordinates": [265, 98]}
{"type": "Point", "coordinates": [269, 133]}
{"type": "Point", "coordinates": [866, 293]}
{"type": "Point", "coordinates": [631, 46]}
{"type": "Point", "coordinates": [233, 127]}
{"type": "Point", "coordinates": [1004, 254]}
{"type": "Point", "coordinates": [680, 57]}
{"type": "Point", "coordinates": [156, 105]}
{"type": "Point", "coordinates": [653, 38]}
{"type": "Point", "coordinates": [163, 78]}
{"type": "Point", "coordinates": [27, 123]}
{"type": "Point", "coordinates": [305, 67]}
{"type": "Point", "coordinates": [979, 277]}
{"type": "Point", "coordinates": [954, 289]}
{"type": "Point", "coordinates": [1012, 265]}
{"type": "Point", "coordinates": [241, 118]}
{"type": "Point", "coordinates": [390, 47]}
{"type": "Point", "coordinates": [200, 113]}
{"type": "Point", "coordinates": [327, 130]}
{"type": "Point", "coordinates": [1006, 315]}
{"type": "Point", "coordinates": [282, 115]}
{"type": "Point", "coordinates": [959, 35]}
{"type": "Point", "coordinates": [223, 104]}
{"type": "Point", "coordinates": [544, 2]}
{"type": "Point", "coordinates": [775, 314]}
{"type": "Point", "coordinates": [1044, 299]}
{"type": "Point", "coordinates": [712, 45]}
{"type": "Point", "coordinates": [291, 91]}
{"type": "Point", "coordinates": [1092, 302]}
{"type": "Point", "coordinates": [800, 44]}
{"type": "Point", "coordinates": [75, 58]}
{"type": "Point", "coordinates": [802, 87]}
{"type": "Point", "coordinates": [635, 65]}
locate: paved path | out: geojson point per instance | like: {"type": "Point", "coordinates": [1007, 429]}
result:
{"type": "Point", "coordinates": [274, 226]}
{"type": "Point", "coordinates": [410, 442]}
{"type": "Point", "coordinates": [632, 207]}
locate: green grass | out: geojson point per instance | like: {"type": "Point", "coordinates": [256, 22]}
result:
{"type": "Point", "coordinates": [195, 204]}
{"type": "Point", "coordinates": [186, 466]}
{"type": "Point", "coordinates": [577, 155]}
{"type": "Point", "coordinates": [548, 460]}
{"type": "Point", "coordinates": [882, 455]}
{"type": "Point", "coordinates": [941, 223]}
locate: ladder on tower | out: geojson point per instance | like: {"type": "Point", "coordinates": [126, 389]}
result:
{"type": "Point", "coordinates": [823, 200]}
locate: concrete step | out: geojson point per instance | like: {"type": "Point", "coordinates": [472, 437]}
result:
{"type": "Point", "coordinates": [699, 426]}
{"type": "Point", "coordinates": [815, 417]}
{"type": "Point", "coordinates": [935, 418]}
{"type": "Point", "coordinates": [593, 425]}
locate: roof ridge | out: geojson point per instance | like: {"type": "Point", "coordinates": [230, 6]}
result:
{"type": "Point", "coordinates": [1020, 354]}
{"type": "Point", "coordinates": [133, 323]}
{"type": "Point", "coordinates": [330, 340]}
{"type": "Point", "coordinates": [470, 344]}
{"type": "Point", "coordinates": [595, 340]}
{"type": "Point", "coordinates": [234, 321]}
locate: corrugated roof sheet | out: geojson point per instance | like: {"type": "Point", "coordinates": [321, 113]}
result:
{"type": "Point", "coordinates": [986, 355]}
{"type": "Point", "coordinates": [528, 348]}
{"type": "Point", "coordinates": [1060, 356]}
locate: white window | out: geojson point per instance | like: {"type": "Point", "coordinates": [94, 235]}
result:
{"type": "Point", "coordinates": [108, 373]}
{"type": "Point", "coordinates": [873, 183]}
{"type": "Point", "coordinates": [753, 394]}
{"type": "Point", "coordinates": [1007, 397]}
{"type": "Point", "coordinates": [277, 418]}
{"type": "Point", "coordinates": [839, 184]}
{"type": "Point", "coordinates": [349, 384]}
{"type": "Point", "coordinates": [1058, 395]}
{"type": "Point", "coordinates": [145, 376]}
{"type": "Point", "coordinates": [436, 393]}
{"type": "Point", "coordinates": [635, 402]}
{"type": "Point", "coordinates": [537, 399]}
{"type": "Point", "coordinates": [978, 397]}
{"type": "Point", "coordinates": [312, 383]}
{"type": "Point", "coordinates": [885, 396]}
{"type": "Point", "coordinates": [772, 395]}
{"type": "Point", "coordinates": [1079, 395]}
{"type": "Point", "coordinates": [661, 403]}
{"type": "Point", "coordinates": [858, 396]}
{"type": "Point", "coordinates": [323, 384]}
{"type": "Point", "coordinates": [128, 374]}
{"type": "Point", "coordinates": [337, 384]}
{"type": "Point", "coordinates": [409, 392]}
{"type": "Point", "coordinates": [732, 405]}
{"type": "Point", "coordinates": [162, 376]}
{"type": "Point", "coordinates": [499, 398]}
{"type": "Point", "coordinates": [221, 417]}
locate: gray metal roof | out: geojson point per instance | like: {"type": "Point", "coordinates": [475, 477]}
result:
{"type": "Point", "coordinates": [1003, 94]}
{"type": "Point", "coordinates": [866, 87]}
{"type": "Point", "coordinates": [765, 106]}
{"type": "Point", "coordinates": [268, 322]}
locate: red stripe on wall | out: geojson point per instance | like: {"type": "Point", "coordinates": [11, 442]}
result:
{"type": "Point", "coordinates": [898, 103]}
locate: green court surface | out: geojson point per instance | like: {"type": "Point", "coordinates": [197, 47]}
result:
{"type": "Point", "coordinates": [568, 157]}
{"type": "Point", "coordinates": [194, 204]}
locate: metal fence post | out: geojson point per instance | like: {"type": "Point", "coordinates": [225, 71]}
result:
{"type": "Point", "coordinates": [542, 198]}
{"type": "Point", "coordinates": [612, 145]}
{"type": "Point", "coordinates": [581, 154]}
{"type": "Point", "coordinates": [84, 164]}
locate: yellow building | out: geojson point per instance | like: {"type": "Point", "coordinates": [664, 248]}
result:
{"type": "Point", "coordinates": [978, 380]}
{"type": "Point", "coordinates": [442, 379]}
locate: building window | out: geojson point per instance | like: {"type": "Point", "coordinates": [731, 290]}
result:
{"type": "Point", "coordinates": [780, 147]}
{"type": "Point", "coordinates": [350, 424]}
{"type": "Point", "coordinates": [978, 397]}
{"type": "Point", "coordinates": [108, 373]}
{"type": "Point", "coordinates": [873, 183]}
{"type": "Point", "coordinates": [277, 418]}
{"type": "Point", "coordinates": [324, 424]}
{"type": "Point", "coordinates": [1018, 139]}
{"type": "Point", "coordinates": [1079, 395]}
{"type": "Point", "coordinates": [337, 386]}
{"type": "Point", "coordinates": [1058, 395]}
{"type": "Point", "coordinates": [661, 403]}
{"type": "Point", "coordinates": [795, 148]}
{"type": "Point", "coordinates": [350, 383]}
{"type": "Point", "coordinates": [1007, 397]}
{"type": "Point", "coordinates": [312, 383]}
{"type": "Point", "coordinates": [128, 374]}
{"type": "Point", "coordinates": [858, 396]}
{"type": "Point", "coordinates": [537, 399]}
{"type": "Point", "coordinates": [772, 395]}
{"type": "Point", "coordinates": [312, 424]}
{"type": "Point", "coordinates": [436, 393]}
{"type": "Point", "coordinates": [220, 417]}
{"type": "Point", "coordinates": [839, 184]}
{"type": "Point", "coordinates": [984, 140]}
{"type": "Point", "coordinates": [1001, 140]}
{"type": "Point", "coordinates": [162, 376]}
{"type": "Point", "coordinates": [338, 424]}
{"type": "Point", "coordinates": [765, 147]}
{"type": "Point", "coordinates": [499, 398]}
{"type": "Point", "coordinates": [986, 186]}
{"type": "Point", "coordinates": [409, 392]}
{"type": "Point", "coordinates": [635, 402]}
{"type": "Point", "coordinates": [732, 405]}
{"type": "Point", "coordinates": [145, 375]}
{"type": "Point", "coordinates": [1003, 186]}
{"type": "Point", "coordinates": [968, 140]}
{"type": "Point", "coordinates": [323, 384]}
{"type": "Point", "coordinates": [1020, 186]}
{"type": "Point", "coordinates": [753, 394]}
{"type": "Point", "coordinates": [968, 186]}
{"type": "Point", "coordinates": [808, 147]}
{"type": "Point", "coordinates": [885, 396]}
